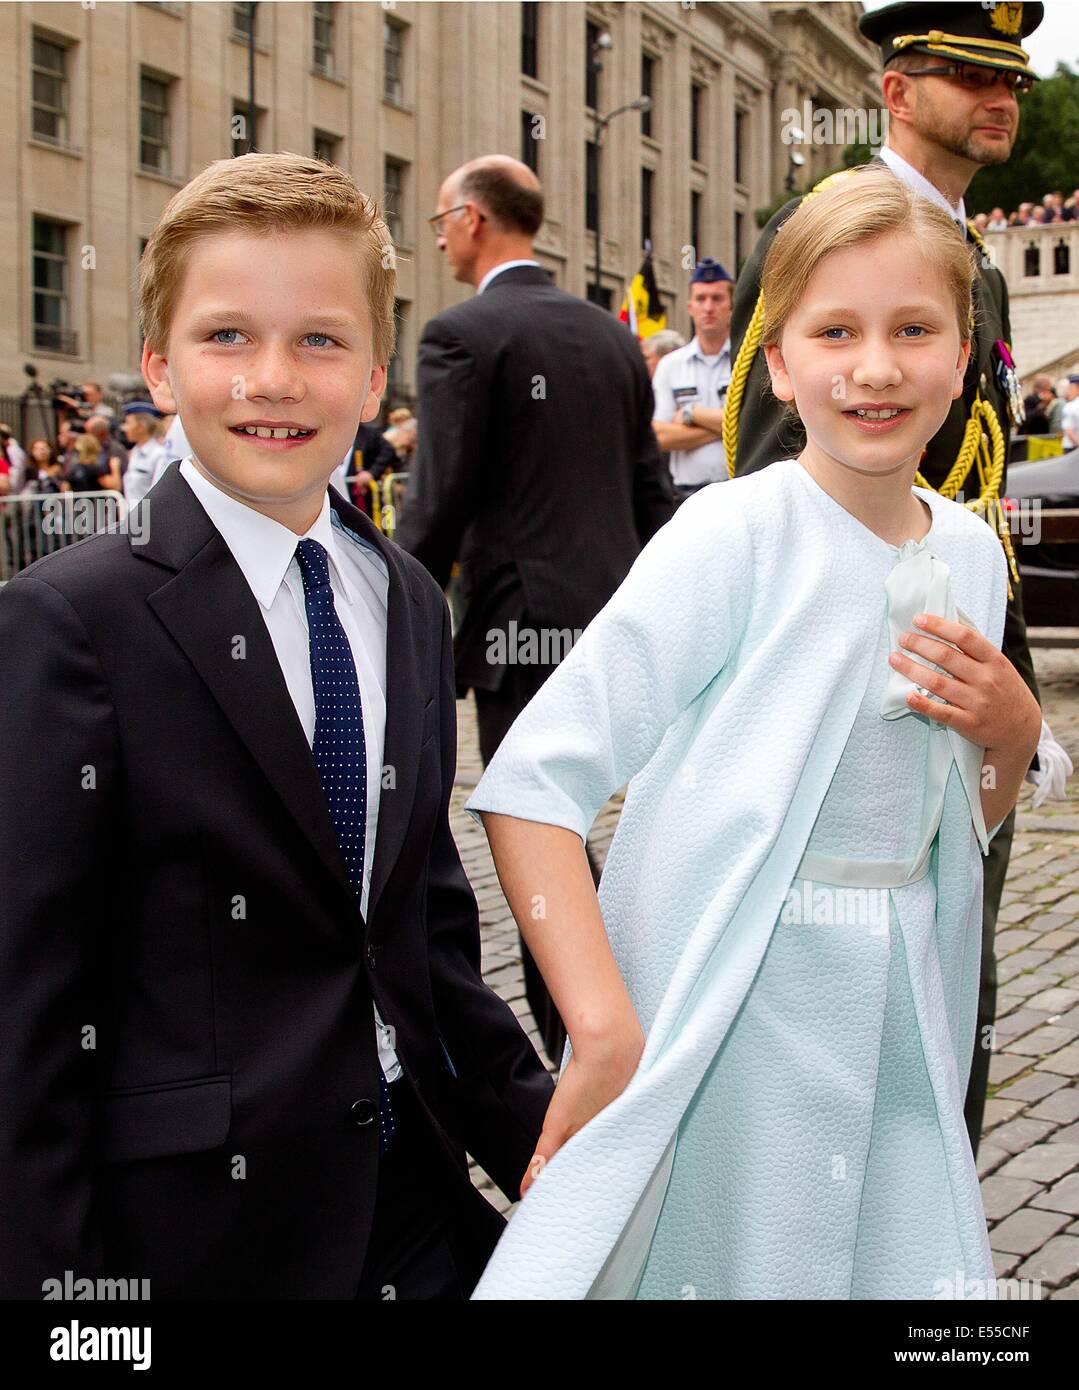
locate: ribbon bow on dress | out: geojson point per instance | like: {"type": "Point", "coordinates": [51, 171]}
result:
{"type": "Point", "coordinates": [920, 582]}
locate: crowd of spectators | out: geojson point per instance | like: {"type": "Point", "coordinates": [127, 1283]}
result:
{"type": "Point", "coordinates": [1054, 207]}
{"type": "Point", "coordinates": [99, 449]}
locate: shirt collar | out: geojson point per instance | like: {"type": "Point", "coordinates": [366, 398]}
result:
{"type": "Point", "coordinates": [498, 269]}
{"type": "Point", "coordinates": [920, 184]}
{"type": "Point", "coordinates": [694, 348]}
{"type": "Point", "coordinates": [262, 547]}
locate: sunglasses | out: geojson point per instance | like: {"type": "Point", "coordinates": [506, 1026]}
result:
{"type": "Point", "coordinates": [978, 79]}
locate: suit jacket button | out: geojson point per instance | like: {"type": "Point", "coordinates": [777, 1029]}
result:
{"type": "Point", "coordinates": [363, 1112]}
{"type": "Point", "coordinates": [371, 957]}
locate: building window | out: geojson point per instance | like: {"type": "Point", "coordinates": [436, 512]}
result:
{"type": "Point", "coordinates": [326, 147]}
{"type": "Point", "coordinates": [647, 182]}
{"type": "Point", "coordinates": [529, 143]}
{"type": "Point", "coordinates": [244, 22]}
{"type": "Point", "coordinates": [51, 308]}
{"type": "Point", "coordinates": [393, 63]}
{"type": "Point", "coordinates": [153, 123]}
{"type": "Point", "coordinates": [49, 87]}
{"type": "Point", "coordinates": [393, 200]}
{"type": "Point", "coordinates": [323, 38]}
{"type": "Point", "coordinates": [648, 74]}
{"type": "Point", "coordinates": [696, 98]}
{"type": "Point", "coordinates": [739, 146]}
{"type": "Point", "coordinates": [600, 296]}
{"type": "Point", "coordinates": [739, 241]}
{"type": "Point", "coordinates": [244, 140]}
{"type": "Point", "coordinates": [695, 223]}
{"type": "Point", "coordinates": [591, 185]}
{"type": "Point", "coordinates": [592, 63]}
{"type": "Point", "coordinates": [530, 38]}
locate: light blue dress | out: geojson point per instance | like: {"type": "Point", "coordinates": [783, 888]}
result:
{"type": "Point", "coordinates": [850, 1182]}
{"type": "Point", "coordinates": [793, 897]}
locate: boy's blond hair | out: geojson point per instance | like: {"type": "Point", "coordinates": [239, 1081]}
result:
{"type": "Point", "coordinates": [262, 194]}
{"type": "Point", "coordinates": [871, 203]}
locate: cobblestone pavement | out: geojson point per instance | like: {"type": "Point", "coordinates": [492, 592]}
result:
{"type": "Point", "coordinates": [1028, 1160]}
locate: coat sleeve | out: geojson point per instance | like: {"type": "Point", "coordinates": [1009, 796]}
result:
{"type": "Point", "coordinates": [58, 762]}
{"type": "Point", "coordinates": [444, 480]}
{"type": "Point", "coordinates": [653, 494]}
{"type": "Point", "coordinates": [502, 1087]}
{"type": "Point", "coordinates": [649, 653]}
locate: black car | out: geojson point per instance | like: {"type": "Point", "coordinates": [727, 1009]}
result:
{"type": "Point", "coordinates": [1049, 568]}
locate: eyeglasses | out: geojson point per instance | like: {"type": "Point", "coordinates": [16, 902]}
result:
{"type": "Point", "coordinates": [978, 79]}
{"type": "Point", "coordinates": [435, 222]}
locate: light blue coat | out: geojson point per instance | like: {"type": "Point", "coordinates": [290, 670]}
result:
{"type": "Point", "coordinates": [721, 683]}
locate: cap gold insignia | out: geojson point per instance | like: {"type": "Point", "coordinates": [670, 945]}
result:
{"type": "Point", "coordinates": [1006, 17]}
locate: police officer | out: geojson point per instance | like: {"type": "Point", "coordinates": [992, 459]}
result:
{"type": "Point", "coordinates": [953, 77]}
{"type": "Point", "coordinates": [147, 459]}
{"type": "Point", "coordinates": [690, 385]}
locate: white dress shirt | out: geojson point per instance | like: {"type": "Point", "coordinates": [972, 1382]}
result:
{"type": "Point", "coordinates": [920, 184]}
{"type": "Point", "coordinates": [266, 554]}
{"type": "Point", "coordinates": [687, 377]}
{"type": "Point", "coordinates": [498, 269]}
{"type": "Point", "coordinates": [175, 441]}
{"type": "Point", "coordinates": [145, 464]}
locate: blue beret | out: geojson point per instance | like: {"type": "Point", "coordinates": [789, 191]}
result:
{"type": "Point", "coordinates": [708, 272]}
{"type": "Point", "coordinates": [143, 408]}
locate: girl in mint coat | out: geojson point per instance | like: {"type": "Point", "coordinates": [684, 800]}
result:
{"type": "Point", "coordinates": [771, 1003]}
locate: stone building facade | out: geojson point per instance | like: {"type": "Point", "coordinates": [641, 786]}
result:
{"type": "Point", "coordinates": [114, 105]}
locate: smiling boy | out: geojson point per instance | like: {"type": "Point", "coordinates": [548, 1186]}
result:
{"type": "Point", "coordinates": [247, 1059]}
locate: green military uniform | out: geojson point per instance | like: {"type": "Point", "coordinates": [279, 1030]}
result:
{"type": "Point", "coordinates": [757, 430]}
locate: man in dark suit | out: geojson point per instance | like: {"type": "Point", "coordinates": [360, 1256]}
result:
{"type": "Point", "coordinates": [246, 1044]}
{"type": "Point", "coordinates": [537, 465]}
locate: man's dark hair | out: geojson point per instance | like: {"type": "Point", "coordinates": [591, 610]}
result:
{"type": "Point", "coordinates": [510, 205]}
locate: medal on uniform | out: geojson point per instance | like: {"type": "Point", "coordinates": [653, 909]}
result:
{"type": "Point", "coordinates": [1008, 379]}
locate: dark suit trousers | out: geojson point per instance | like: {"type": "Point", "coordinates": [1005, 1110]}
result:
{"type": "Point", "coordinates": [413, 1250]}
{"type": "Point", "coordinates": [495, 711]}
{"type": "Point", "coordinates": [994, 871]}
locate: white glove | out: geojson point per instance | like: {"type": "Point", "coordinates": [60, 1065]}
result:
{"type": "Point", "coordinates": [1056, 768]}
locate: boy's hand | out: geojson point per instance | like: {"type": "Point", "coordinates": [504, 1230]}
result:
{"type": "Point", "coordinates": [585, 1087]}
{"type": "Point", "coordinates": [988, 701]}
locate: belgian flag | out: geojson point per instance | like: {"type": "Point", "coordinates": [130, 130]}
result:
{"type": "Point", "coordinates": [642, 309]}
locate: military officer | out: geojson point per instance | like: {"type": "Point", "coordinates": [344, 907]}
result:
{"type": "Point", "coordinates": [953, 78]}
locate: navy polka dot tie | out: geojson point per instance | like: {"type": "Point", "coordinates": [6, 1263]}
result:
{"type": "Point", "coordinates": [339, 750]}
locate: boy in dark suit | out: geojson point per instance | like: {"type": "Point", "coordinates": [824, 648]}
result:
{"type": "Point", "coordinates": [246, 1044]}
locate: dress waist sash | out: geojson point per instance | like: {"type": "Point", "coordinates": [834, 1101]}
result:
{"type": "Point", "coordinates": [861, 873]}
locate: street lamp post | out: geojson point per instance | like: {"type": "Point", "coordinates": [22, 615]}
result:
{"type": "Point", "coordinates": [601, 44]}
{"type": "Point", "coordinates": [602, 122]}
{"type": "Point", "coordinates": [794, 160]}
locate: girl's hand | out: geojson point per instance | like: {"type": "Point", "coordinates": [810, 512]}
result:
{"type": "Point", "coordinates": [989, 703]}
{"type": "Point", "coordinates": [586, 1086]}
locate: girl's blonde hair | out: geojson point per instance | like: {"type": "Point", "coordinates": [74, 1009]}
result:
{"type": "Point", "coordinates": [261, 194]}
{"type": "Point", "coordinates": [88, 448]}
{"type": "Point", "coordinates": [871, 203]}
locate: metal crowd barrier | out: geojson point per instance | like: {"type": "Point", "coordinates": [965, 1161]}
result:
{"type": "Point", "coordinates": [36, 524]}
{"type": "Point", "coordinates": [387, 499]}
